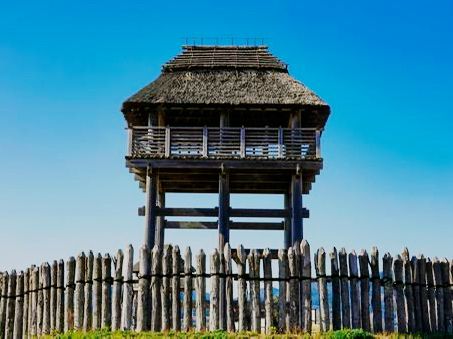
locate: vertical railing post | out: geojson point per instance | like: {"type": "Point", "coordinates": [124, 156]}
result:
{"type": "Point", "coordinates": [205, 142]}
{"type": "Point", "coordinates": [242, 145]}
{"type": "Point", "coordinates": [280, 142]}
{"type": "Point", "coordinates": [129, 142]}
{"type": "Point", "coordinates": [167, 142]}
{"type": "Point", "coordinates": [318, 143]}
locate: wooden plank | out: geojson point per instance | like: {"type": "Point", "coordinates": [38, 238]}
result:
{"type": "Point", "coordinates": [212, 225]}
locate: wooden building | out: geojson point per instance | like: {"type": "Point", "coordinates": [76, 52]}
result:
{"type": "Point", "coordinates": [225, 119]}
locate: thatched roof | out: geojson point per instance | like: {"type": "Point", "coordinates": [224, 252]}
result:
{"type": "Point", "coordinates": [228, 75]}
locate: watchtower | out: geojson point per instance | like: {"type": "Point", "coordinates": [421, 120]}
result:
{"type": "Point", "coordinates": [225, 119]}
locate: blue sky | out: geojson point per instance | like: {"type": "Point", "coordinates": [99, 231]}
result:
{"type": "Point", "coordinates": [386, 69]}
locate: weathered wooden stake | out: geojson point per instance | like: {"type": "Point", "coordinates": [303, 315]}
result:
{"type": "Point", "coordinates": [416, 291]}
{"type": "Point", "coordinates": [292, 295]}
{"type": "Point", "coordinates": [34, 302]}
{"type": "Point", "coordinates": [355, 293]}
{"type": "Point", "coordinates": [320, 267]}
{"type": "Point", "coordinates": [438, 284]}
{"type": "Point", "coordinates": [306, 286]}
{"type": "Point", "coordinates": [26, 307]}
{"type": "Point", "coordinates": [431, 295]}
{"type": "Point", "coordinates": [214, 295]}
{"type": "Point", "coordinates": [46, 298]}
{"type": "Point", "coordinates": [175, 289]}
{"type": "Point", "coordinates": [268, 297]}
{"type": "Point", "coordinates": [53, 295]}
{"type": "Point", "coordinates": [364, 290]}
{"type": "Point", "coordinates": [143, 306]}
{"type": "Point", "coordinates": [40, 304]}
{"type": "Point", "coordinates": [106, 319]}
{"type": "Point", "coordinates": [345, 301]}
{"type": "Point", "coordinates": [187, 302]}
{"type": "Point", "coordinates": [69, 294]}
{"type": "Point", "coordinates": [89, 318]}
{"type": "Point", "coordinates": [156, 283]}
{"type": "Point", "coordinates": [128, 292]}
{"type": "Point", "coordinates": [241, 263]}
{"type": "Point", "coordinates": [78, 295]}
{"type": "Point", "coordinates": [96, 286]}
{"type": "Point", "coordinates": [336, 295]}
{"type": "Point", "coordinates": [408, 291]}
{"type": "Point", "coordinates": [3, 302]}
{"type": "Point", "coordinates": [166, 284]}
{"type": "Point", "coordinates": [399, 294]}
{"type": "Point", "coordinates": [283, 270]}
{"type": "Point", "coordinates": [19, 307]}
{"type": "Point", "coordinates": [201, 291]}
{"type": "Point", "coordinates": [445, 265]}
{"type": "Point", "coordinates": [116, 292]}
{"type": "Point", "coordinates": [388, 293]}
{"type": "Point", "coordinates": [254, 266]}
{"type": "Point", "coordinates": [376, 291]}
{"type": "Point", "coordinates": [10, 305]}
{"type": "Point", "coordinates": [229, 288]}
{"type": "Point", "coordinates": [424, 294]}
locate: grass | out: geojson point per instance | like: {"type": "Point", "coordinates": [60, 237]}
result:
{"type": "Point", "coordinates": [343, 334]}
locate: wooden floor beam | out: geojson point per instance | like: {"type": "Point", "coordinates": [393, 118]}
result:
{"type": "Point", "coordinates": [212, 225]}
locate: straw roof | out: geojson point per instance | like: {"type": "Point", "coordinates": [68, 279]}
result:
{"type": "Point", "coordinates": [226, 75]}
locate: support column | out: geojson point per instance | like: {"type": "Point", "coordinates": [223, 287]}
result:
{"type": "Point", "coordinates": [296, 208]}
{"type": "Point", "coordinates": [160, 222]}
{"type": "Point", "coordinates": [224, 210]}
{"type": "Point", "coordinates": [150, 209]}
{"type": "Point", "coordinates": [287, 232]}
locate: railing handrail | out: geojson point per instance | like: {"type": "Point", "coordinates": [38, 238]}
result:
{"type": "Point", "coordinates": [226, 128]}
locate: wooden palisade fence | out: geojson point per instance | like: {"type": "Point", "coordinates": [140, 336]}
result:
{"type": "Point", "coordinates": [166, 292]}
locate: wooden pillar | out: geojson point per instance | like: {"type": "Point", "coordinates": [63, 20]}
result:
{"type": "Point", "coordinates": [287, 235]}
{"type": "Point", "coordinates": [160, 222]}
{"type": "Point", "coordinates": [296, 209]}
{"type": "Point", "coordinates": [150, 209]}
{"type": "Point", "coordinates": [224, 210]}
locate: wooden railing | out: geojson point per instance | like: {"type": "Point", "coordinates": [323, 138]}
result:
{"type": "Point", "coordinates": [229, 142]}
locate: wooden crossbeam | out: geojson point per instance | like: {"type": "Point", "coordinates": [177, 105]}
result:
{"type": "Point", "coordinates": [213, 225]}
{"type": "Point", "coordinates": [234, 212]}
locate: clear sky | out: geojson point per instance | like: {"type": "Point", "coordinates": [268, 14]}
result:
{"type": "Point", "coordinates": [386, 69]}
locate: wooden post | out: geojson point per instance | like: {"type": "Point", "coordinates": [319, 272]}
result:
{"type": "Point", "coordinates": [46, 298]}
{"type": "Point", "coordinates": [388, 293]}
{"type": "Point", "coordinates": [431, 295]}
{"type": "Point", "coordinates": [376, 291]}
{"type": "Point", "coordinates": [175, 289]}
{"type": "Point", "coordinates": [318, 143]}
{"type": "Point", "coordinates": [19, 318]}
{"type": "Point", "coordinates": [416, 289]}
{"type": "Point", "coordinates": [205, 142]}
{"type": "Point", "coordinates": [116, 292]}
{"type": "Point", "coordinates": [254, 266]}
{"type": "Point", "coordinates": [229, 289]}
{"type": "Point", "coordinates": [167, 142]}
{"type": "Point", "coordinates": [364, 291]}
{"type": "Point", "coordinates": [106, 308]}
{"type": "Point", "coordinates": [224, 207]}
{"type": "Point", "coordinates": [160, 221]}
{"type": "Point", "coordinates": [10, 305]}
{"type": "Point", "coordinates": [53, 295]}
{"type": "Point", "coordinates": [355, 294]}
{"type": "Point", "coordinates": [306, 287]}
{"type": "Point", "coordinates": [268, 298]}
{"type": "Point", "coordinates": [438, 283]}
{"type": "Point", "coordinates": [88, 295]}
{"type": "Point", "coordinates": [320, 266]}
{"type": "Point", "coordinates": [296, 209]}
{"type": "Point", "coordinates": [283, 270]}
{"type": "Point", "coordinates": [423, 294]}
{"type": "Point", "coordinates": [78, 296]}
{"type": "Point", "coordinates": [201, 291]}
{"type": "Point", "coordinates": [214, 295]}
{"type": "Point", "coordinates": [336, 297]}
{"type": "Point", "coordinates": [40, 303]}
{"type": "Point", "coordinates": [69, 296]}
{"type": "Point", "coordinates": [156, 283]}
{"type": "Point", "coordinates": [96, 308]}
{"type": "Point", "coordinates": [241, 262]}
{"type": "Point", "coordinates": [166, 285]}
{"type": "Point", "coordinates": [128, 292]}
{"type": "Point", "coordinates": [150, 209]}
{"type": "Point", "coordinates": [59, 296]}
{"type": "Point", "coordinates": [399, 295]}
{"type": "Point", "coordinates": [287, 232]}
{"type": "Point", "coordinates": [408, 291]}
{"type": "Point", "coordinates": [34, 300]}
{"type": "Point", "coordinates": [3, 302]}
{"type": "Point", "coordinates": [26, 307]}
{"type": "Point", "coordinates": [345, 302]}
{"type": "Point", "coordinates": [187, 302]}
{"type": "Point", "coordinates": [143, 307]}
{"type": "Point", "coordinates": [445, 266]}
{"type": "Point", "coordinates": [242, 143]}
